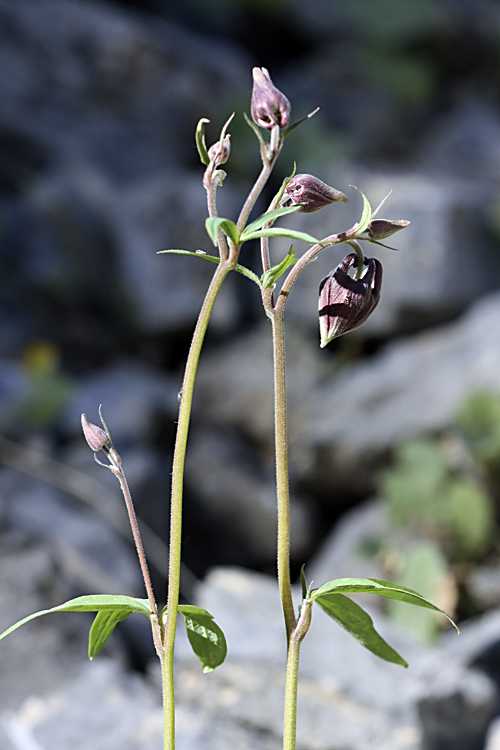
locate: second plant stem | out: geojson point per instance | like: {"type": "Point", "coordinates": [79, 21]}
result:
{"type": "Point", "coordinates": [167, 655]}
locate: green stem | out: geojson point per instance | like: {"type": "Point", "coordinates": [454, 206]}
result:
{"type": "Point", "coordinates": [292, 676]}
{"type": "Point", "coordinates": [282, 482]}
{"type": "Point", "coordinates": [176, 503]}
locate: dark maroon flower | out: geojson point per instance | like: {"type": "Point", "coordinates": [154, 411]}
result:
{"type": "Point", "coordinates": [313, 193]}
{"type": "Point", "coordinates": [346, 303]}
{"type": "Point", "coordinates": [269, 106]}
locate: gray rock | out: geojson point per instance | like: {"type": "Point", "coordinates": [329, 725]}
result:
{"type": "Point", "coordinates": [235, 387]}
{"type": "Point", "coordinates": [132, 396]}
{"type": "Point", "coordinates": [411, 387]}
{"type": "Point", "coordinates": [235, 491]}
{"type": "Point", "coordinates": [108, 86]}
{"type": "Point", "coordinates": [100, 707]}
{"type": "Point", "coordinates": [346, 695]}
{"type": "Point", "coordinates": [93, 555]}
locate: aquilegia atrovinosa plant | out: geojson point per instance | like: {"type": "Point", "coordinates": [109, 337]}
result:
{"type": "Point", "coordinates": [348, 296]}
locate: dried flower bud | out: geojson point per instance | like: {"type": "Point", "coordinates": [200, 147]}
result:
{"type": "Point", "coordinates": [346, 303]}
{"type": "Point", "coordinates": [314, 194]}
{"type": "Point", "coordinates": [95, 437]}
{"type": "Point", "coordinates": [219, 152]}
{"type": "Point", "coordinates": [269, 106]}
{"type": "Point", "coordinates": [380, 229]}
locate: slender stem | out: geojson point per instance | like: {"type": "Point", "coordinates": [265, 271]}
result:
{"type": "Point", "coordinates": [137, 540]}
{"type": "Point", "coordinates": [292, 676]}
{"type": "Point", "coordinates": [296, 270]}
{"type": "Point", "coordinates": [282, 482]}
{"type": "Point", "coordinates": [269, 156]}
{"type": "Point", "coordinates": [176, 502]}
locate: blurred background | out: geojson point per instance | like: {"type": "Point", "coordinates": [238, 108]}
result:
{"type": "Point", "coordinates": [394, 430]}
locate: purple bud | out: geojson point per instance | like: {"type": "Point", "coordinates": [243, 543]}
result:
{"type": "Point", "coordinates": [95, 437]}
{"type": "Point", "coordinates": [269, 106]}
{"type": "Point", "coordinates": [219, 152]}
{"type": "Point", "coordinates": [314, 194]}
{"type": "Point", "coordinates": [346, 303]}
{"type": "Point", "coordinates": [380, 229]}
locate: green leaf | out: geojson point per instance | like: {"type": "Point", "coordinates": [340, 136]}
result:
{"type": "Point", "coordinates": [214, 223]}
{"type": "Point", "coordinates": [200, 141]}
{"type": "Point", "coordinates": [378, 587]}
{"type": "Point", "coordinates": [92, 603]}
{"type": "Point", "coordinates": [271, 276]}
{"type": "Point", "coordinates": [102, 627]}
{"type": "Point", "coordinates": [277, 232]}
{"type": "Point", "coordinates": [359, 624]}
{"type": "Point", "coordinates": [366, 215]}
{"type": "Point", "coordinates": [425, 568]}
{"type": "Point", "coordinates": [241, 269]}
{"type": "Point", "coordinates": [269, 216]}
{"type": "Point", "coordinates": [206, 638]}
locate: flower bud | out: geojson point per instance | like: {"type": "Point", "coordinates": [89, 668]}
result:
{"type": "Point", "coordinates": [269, 106]}
{"type": "Point", "coordinates": [314, 194]}
{"type": "Point", "coordinates": [95, 437]}
{"type": "Point", "coordinates": [380, 229]}
{"type": "Point", "coordinates": [346, 303]}
{"type": "Point", "coordinates": [219, 152]}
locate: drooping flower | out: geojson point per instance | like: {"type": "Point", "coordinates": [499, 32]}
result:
{"type": "Point", "coordinates": [346, 303]}
{"type": "Point", "coordinates": [312, 192]}
{"type": "Point", "coordinates": [269, 106]}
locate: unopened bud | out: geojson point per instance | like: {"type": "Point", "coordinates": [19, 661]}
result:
{"type": "Point", "coordinates": [96, 437]}
{"type": "Point", "coordinates": [219, 152]}
{"type": "Point", "coordinates": [380, 229]}
{"type": "Point", "coordinates": [269, 106]}
{"type": "Point", "coordinates": [313, 193]}
{"type": "Point", "coordinates": [346, 303]}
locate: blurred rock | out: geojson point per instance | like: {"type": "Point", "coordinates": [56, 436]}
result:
{"type": "Point", "coordinates": [413, 386]}
{"type": "Point", "coordinates": [92, 555]}
{"type": "Point", "coordinates": [370, 703]}
{"type": "Point", "coordinates": [465, 141]}
{"type": "Point", "coordinates": [133, 397]}
{"type": "Point", "coordinates": [235, 387]}
{"type": "Point", "coordinates": [240, 497]}
{"type": "Point", "coordinates": [100, 707]}
{"type": "Point", "coordinates": [97, 104]}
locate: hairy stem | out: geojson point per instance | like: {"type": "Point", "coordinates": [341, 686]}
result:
{"type": "Point", "coordinates": [137, 540]}
{"type": "Point", "coordinates": [176, 502]}
{"type": "Point", "coordinates": [292, 677]}
{"type": "Point", "coordinates": [282, 482]}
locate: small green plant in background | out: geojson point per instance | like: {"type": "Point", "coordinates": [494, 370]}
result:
{"type": "Point", "coordinates": [442, 494]}
{"type": "Point", "coordinates": [347, 297]}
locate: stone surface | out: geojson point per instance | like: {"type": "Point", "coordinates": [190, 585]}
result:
{"type": "Point", "coordinates": [413, 386]}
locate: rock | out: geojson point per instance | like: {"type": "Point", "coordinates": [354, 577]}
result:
{"type": "Point", "coordinates": [346, 695]}
{"type": "Point", "coordinates": [240, 498]}
{"type": "Point", "coordinates": [94, 557]}
{"type": "Point", "coordinates": [457, 715]}
{"type": "Point", "coordinates": [235, 387]}
{"type": "Point", "coordinates": [45, 652]}
{"type": "Point", "coordinates": [133, 397]}
{"type": "Point", "coordinates": [98, 102]}
{"type": "Point", "coordinates": [101, 707]}
{"type": "Point", "coordinates": [411, 387]}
